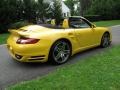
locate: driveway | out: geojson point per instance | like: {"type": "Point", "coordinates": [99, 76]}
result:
{"type": "Point", "coordinates": [12, 72]}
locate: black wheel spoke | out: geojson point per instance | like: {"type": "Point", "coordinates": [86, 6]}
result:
{"type": "Point", "coordinates": [57, 49]}
{"type": "Point", "coordinates": [63, 46]}
{"type": "Point", "coordinates": [66, 51]}
{"type": "Point", "coordinates": [58, 56]}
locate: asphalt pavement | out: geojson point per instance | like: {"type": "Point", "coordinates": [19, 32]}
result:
{"type": "Point", "coordinates": [12, 72]}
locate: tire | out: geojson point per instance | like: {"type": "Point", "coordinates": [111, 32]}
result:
{"type": "Point", "coordinates": [60, 52]}
{"type": "Point", "coordinates": [105, 41]}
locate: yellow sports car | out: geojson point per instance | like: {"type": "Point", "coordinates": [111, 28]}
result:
{"type": "Point", "coordinates": [42, 43]}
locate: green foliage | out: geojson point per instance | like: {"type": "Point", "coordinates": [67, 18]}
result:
{"type": "Point", "coordinates": [74, 6]}
{"type": "Point", "coordinates": [8, 13]}
{"type": "Point", "coordinates": [106, 9]}
{"type": "Point", "coordinates": [78, 7]}
{"type": "Point", "coordinates": [84, 4]}
{"type": "Point", "coordinates": [12, 11]}
{"type": "Point", "coordinates": [43, 10]}
{"type": "Point", "coordinates": [19, 24]}
{"type": "Point", "coordinates": [71, 5]}
{"type": "Point", "coordinates": [29, 9]}
{"type": "Point", "coordinates": [93, 17]}
{"type": "Point", "coordinates": [109, 9]}
{"type": "Point", "coordinates": [56, 11]}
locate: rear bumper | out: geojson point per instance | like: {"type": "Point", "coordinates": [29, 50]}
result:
{"type": "Point", "coordinates": [28, 53]}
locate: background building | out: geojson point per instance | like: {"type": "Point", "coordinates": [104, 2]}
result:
{"type": "Point", "coordinates": [65, 9]}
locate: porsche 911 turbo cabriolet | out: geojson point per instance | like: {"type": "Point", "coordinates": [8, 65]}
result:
{"type": "Point", "coordinates": [56, 43]}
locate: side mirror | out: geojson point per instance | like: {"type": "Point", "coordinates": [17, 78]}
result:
{"type": "Point", "coordinates": [93, 26]}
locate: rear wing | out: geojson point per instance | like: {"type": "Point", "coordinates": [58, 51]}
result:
{"type": "Point", "coordinates": [18, 33]}
{"type": "Point", "coordinates": [13, 31]}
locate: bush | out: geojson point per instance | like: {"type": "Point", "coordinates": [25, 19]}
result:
{"type": "Point", "coordinates": [3, 28]}
{"type": "Point", "coordinates": [93, 17]}
{"type": "Point", "coordinates": [19, 24]}
{"type": "Point", "coordinates": [108, 10]}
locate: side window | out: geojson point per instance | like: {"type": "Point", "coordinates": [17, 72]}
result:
{"type": "Point", "coordinates": [78, 23]}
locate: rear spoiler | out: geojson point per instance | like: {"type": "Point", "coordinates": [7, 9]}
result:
{"type": "Point", "coordinates": [13, 31]}
{"type": "Point", "coordinates": [18, 32]}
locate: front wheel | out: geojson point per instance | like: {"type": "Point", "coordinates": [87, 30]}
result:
{"type": "Point", "coordinates": [60, 52]}
{"type": "Point", "coordinates": [105, 41]}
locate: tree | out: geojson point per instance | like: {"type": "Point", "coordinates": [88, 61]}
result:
{"type": "Point", "coordinates": [12, 11]}
{"type": "Point", "coordinates": [9, 13]}
{"type": "Point", "coordinates": [78, 7]}
{"type": "Point", "coordinates": [71, 5]}
{"type": "Point", "coordinates": [2, 15]}
{"type": "Point", "coordinates": [29, 10]}
{"type": "Point", "coordinates": [84, 5]}
{"type": "Point", "coordinates": [108, 9]}
{"type": "Point", "coordinates": [56, 11]}
{"type": "Point", "coordinates": [43, 10]}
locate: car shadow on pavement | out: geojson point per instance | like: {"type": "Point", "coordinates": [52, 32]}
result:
{"type": "Point", "coordinates": [31, 64]}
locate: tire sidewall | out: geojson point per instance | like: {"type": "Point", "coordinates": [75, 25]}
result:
{"type": "Point", "coordinates": [102, 40]}
{"type": "Point", "coordinates": [51, 58]}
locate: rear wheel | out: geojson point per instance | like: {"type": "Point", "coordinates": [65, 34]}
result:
{"type": "Point", "coordinates": [105, 41]}
{"type": "Point", "coordinates": [60, 52]}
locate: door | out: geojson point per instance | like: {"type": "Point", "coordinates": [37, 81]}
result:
{"type": "Point", "coordinates": [84, 33]}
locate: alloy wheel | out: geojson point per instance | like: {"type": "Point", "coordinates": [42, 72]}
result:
{"type": "Point", "coordinates": [61, 52]}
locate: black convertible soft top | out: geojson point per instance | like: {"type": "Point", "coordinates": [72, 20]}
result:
{"type": "Point", "coordinates": [70, 19]}
{"type": "Point", "coordinates": [51, 26]}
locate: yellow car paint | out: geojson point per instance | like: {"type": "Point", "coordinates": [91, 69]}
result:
{"type": "Point", "coordinates": [80, 39]}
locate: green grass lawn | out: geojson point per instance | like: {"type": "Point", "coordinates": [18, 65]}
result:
{"type": "Point", "coordinates": [99, 72]}
{"type": "Point", "coordinates": [107, 23]}
{"type": "Point", "coordinates": [3, 38]}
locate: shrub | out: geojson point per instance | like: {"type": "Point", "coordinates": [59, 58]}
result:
{"type": "Point", "coordinates": [19, 24]}
{"type": "Point", "coordinates": [93, 17]}
{"type": "Point", "coordinates": [108, 10]}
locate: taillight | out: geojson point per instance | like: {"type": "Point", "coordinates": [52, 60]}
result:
{"type": "Point", "coordinates": [24, 40]}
